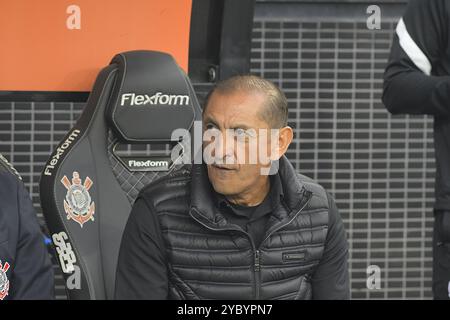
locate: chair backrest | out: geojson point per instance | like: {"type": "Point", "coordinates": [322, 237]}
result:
{"type": "Point", "coordinates": [122, 141]}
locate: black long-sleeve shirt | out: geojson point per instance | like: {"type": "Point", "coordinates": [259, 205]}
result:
{"type": "Point", "coordinates": [142, 266]}
{"type": "Point", "coordinates": [417, 78]}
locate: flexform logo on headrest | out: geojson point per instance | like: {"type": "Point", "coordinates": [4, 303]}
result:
{"type": "Point", "coordinates": [158, 98]}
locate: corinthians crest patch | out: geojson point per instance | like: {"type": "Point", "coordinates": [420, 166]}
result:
{"type": "Point", "coordinates": [78, 204]}
{"type": "Point", "coordinates": [4, 282]}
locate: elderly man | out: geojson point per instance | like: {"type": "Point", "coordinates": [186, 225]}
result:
{"type": "Point", "coordinates": [25, 268]}
{"type": "Point", "coordinates": [226, 229]}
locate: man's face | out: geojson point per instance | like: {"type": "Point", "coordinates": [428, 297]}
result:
{"type": "Point", "coordinates": [234, 170]}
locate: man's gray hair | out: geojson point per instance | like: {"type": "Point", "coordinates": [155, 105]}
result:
{"type": "Point", "coordinates": [275, 111]}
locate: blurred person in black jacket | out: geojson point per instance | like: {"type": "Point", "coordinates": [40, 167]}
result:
{"type": "Point", "coordinates": [417, 81]}
{"type": "Point", "coordinates": [25, 268]}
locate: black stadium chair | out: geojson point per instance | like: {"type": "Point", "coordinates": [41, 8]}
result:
{"type": "Point", "coordinates": [121, 142]}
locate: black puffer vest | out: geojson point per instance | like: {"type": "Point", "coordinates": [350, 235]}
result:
{"type": "Point", "coordinates": [211, 259]}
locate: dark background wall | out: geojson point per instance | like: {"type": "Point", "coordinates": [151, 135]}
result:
{"type": "Point", "coordinates": [380, 168]}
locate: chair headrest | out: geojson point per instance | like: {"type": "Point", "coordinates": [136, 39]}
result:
{"type": "Point", "coordinates": [151, 97]}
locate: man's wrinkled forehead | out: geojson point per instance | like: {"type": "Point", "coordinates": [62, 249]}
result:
{"type": "Point", "coordinates": [237, 109]}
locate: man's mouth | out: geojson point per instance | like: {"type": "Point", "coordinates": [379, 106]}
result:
{"type": "Point", "coordinates": [223, 167]}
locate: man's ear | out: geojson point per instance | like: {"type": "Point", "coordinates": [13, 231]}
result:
{"type": "Point", "coordinates": [285, 136]}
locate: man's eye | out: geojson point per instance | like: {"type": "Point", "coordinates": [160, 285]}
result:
{"type": "Point", "coordinates": [210, 127]}
{"type": "Point", "coordinates": [239, 132]}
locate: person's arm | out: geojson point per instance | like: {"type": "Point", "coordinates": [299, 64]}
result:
{"type": "Point", "coordinates": [141, 269]}
{"type": "Point", "coordinates": [32, 276]}
{"type": "Point", "coordinates": [330, 280]}
{"type": "Point", "coordinates": [410, 84]}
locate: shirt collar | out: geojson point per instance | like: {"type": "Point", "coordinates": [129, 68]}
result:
{"type": "Point", "coordinates": [275, 193]}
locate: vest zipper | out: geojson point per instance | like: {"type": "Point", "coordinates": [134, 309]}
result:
{"type": "Point", "coordinates": [256, 253]}
{"type": "Point", "coordinates": [257, 258]}
{"type": "Point", "coordinates": [285, 224]}
{"type": "Point", "coordinates": [257, 274]}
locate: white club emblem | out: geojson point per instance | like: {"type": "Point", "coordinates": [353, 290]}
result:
{"type": "Point", "coordinates": [4, 282]}
{"type": "Point", "coordinates": [78, 205]}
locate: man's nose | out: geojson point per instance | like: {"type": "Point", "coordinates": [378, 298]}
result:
{"type": "Point", "coordinates": [224, 147]}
